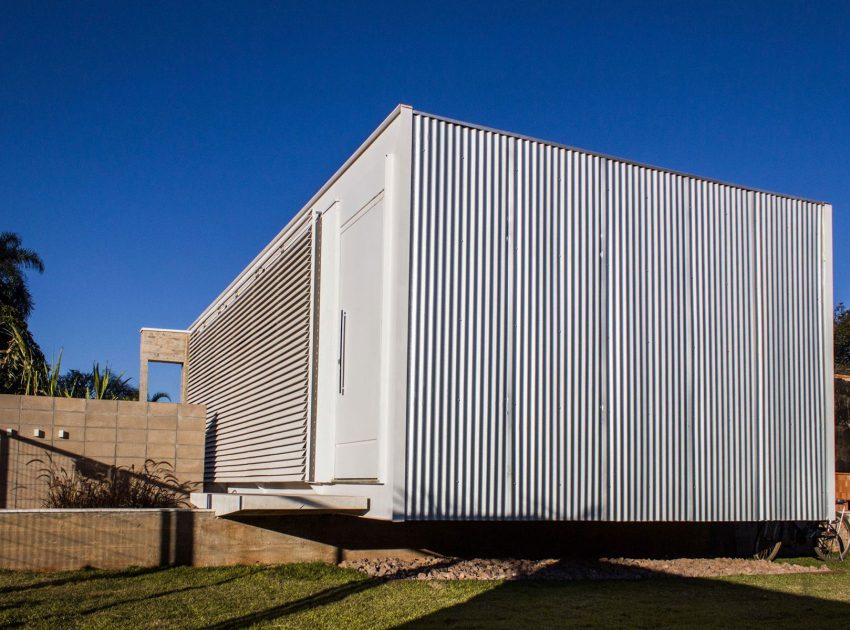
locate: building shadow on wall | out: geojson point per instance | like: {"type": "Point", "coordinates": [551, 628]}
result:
{"type": "Point", "coordinates": [177, 538]}
{"type": "Point", "coordinates": [5, 465]}
{"type": "Point", "coordinates": [210, 446]}
{"type": "Point", "coordinates": [506, 539]}
{"type": "Point", "coordinates": [25, 462]}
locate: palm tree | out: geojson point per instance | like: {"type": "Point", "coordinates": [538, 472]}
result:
{"type": "Point", "coordinates": [23, 369]}
{"type": "Point", "coordinates": [14, 259]}
{"type": "Point", "coordinates": [21, 360]}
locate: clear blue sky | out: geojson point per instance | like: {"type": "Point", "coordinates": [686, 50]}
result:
{"type": "Point", "coordinates": [149, 150]}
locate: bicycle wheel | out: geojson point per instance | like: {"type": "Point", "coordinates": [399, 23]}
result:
{"type": "Point", "coordinates": [828, 546]}
{"type": "Point", "coordinates": [843, 536]}
{"type": "Point", "coordinates": [833, 539]}
{"type": "Point", "coordinates": [768, 542]}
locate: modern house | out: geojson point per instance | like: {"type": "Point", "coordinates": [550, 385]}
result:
{"type": "Point", "coordinates": [469, 324]}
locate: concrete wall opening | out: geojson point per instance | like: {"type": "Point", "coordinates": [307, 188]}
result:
{"type": "Point", "coordinates": [165, 382]}
{"type": "Point", "coordinates": [162, 346]}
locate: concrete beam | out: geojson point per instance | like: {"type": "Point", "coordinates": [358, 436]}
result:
{"type": "Point", "coordinates": [231, 504]}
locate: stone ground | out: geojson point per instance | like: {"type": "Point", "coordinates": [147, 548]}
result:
{"type": "Point", "coordinates": [603, 569]}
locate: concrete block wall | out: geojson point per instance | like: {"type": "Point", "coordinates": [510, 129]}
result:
{"type": "Point", "coordinates": [110, 432]}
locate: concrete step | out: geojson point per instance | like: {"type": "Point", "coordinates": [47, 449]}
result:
{"type": "Point", "coordinates": [280, 504]}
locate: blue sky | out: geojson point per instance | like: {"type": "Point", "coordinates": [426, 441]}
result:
{"type": "Point", "coordinates": [149, 150]}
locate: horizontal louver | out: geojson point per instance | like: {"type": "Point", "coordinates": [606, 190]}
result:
{"type": "Point", "coordinates": [249, 364]}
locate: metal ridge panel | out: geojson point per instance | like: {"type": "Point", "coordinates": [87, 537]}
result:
{"type": "Point", "coordinates": [560, 145]}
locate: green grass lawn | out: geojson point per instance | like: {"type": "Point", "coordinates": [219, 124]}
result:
{"type": "Point", "coordinates": [319, 596]}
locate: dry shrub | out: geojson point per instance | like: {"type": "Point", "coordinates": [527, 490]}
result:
{"type": "Point", "coordinates": [93, 485]}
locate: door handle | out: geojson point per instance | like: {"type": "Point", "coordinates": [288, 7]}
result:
{"type": "Point", "coordinates": [343, 317]}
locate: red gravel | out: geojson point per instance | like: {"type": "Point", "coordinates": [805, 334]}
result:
{"type": "Point", "coordinates": [604, 569]}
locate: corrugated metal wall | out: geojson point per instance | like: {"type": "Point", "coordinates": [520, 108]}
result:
{"type": "Point", "coordinates": [597, 340]}
{"type": "Point", "coordinates": [249, 363]}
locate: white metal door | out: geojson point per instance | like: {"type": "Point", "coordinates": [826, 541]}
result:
{"type": "Point", "coordinates": [359, 358]}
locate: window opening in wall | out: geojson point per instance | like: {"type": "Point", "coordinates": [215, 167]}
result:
{"type": "Point", "coordinates": [164, 381]}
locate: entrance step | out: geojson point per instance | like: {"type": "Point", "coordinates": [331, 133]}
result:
{"type": "Point", "coordinates": [226, 504]}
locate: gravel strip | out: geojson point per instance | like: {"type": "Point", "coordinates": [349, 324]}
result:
{"type": "Point", "coordinates": [604, 569]}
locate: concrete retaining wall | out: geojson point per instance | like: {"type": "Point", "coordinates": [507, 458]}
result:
{"type": "Point", "coordinates": [52, 540]}
{"type": "Point", "coordinates": [59, 540]}
{"type": "Point", "coordinates": [72, 431]}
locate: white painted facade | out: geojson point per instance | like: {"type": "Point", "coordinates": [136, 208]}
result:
{"type": "Point", "coordinates": [504, 328]}
{"type": "Point", "coordinates": [353, 442]}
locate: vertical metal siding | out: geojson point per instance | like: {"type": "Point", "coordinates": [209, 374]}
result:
{"type": "Point", "coordinates": [649, 350]}
{"type": "Point", "coordinates": [597, 340]}
{"type": "Point", "coordinates": [249, 363]}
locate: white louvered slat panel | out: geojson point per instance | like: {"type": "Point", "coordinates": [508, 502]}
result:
{"type": "Point", "coordinates": [250, 365]}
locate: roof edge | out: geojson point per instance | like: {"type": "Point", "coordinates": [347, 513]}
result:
{"type": "Point", "coordinates": [296, 219]}
{"type": "Point", "coordinates": [299, 216]}
{"type": "Point", "coordinates": [560, 145]}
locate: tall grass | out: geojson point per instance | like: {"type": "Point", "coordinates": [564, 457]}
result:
{"type": "Point", "coordinates": [100, 486]}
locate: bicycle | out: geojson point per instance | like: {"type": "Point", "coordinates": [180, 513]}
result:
{"type": "Point", "coordinates": [832, 539]}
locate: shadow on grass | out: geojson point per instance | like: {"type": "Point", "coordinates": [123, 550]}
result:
{"type": "Point", "coordinates": [153, 596]}
{"type": "Point", "coordinates": [653, 599]}
{"type": "Point", "coordinates": [644, 598]}
{"type": "Point", "coordinates": [614, 598]}
{"type": "Point", "coordinates": [323, 598]}
{"type": "Point", "coordinates": [132, 600]}
{"type": "Point", "coordinates": [84, 577]}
